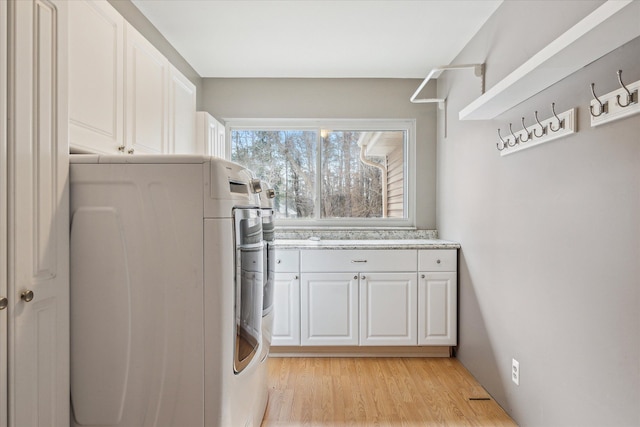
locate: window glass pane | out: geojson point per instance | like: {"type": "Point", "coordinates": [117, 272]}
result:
{"type": "Point", "coordinates": [362, 174]}
{"type": "Point", "coordinates": [287, 160]}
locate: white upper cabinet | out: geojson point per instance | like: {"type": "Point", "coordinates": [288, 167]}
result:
{"type": "Point", "coordinates": [96, 75]}
{"type": "Point", "coordinates": [210, 135]}
{"type": "Point", "coordinates": [182, 113]}
{"type": "Point", "coordinates": [147, 98]}
{"type": "Point", "coordinates": [124, 95]}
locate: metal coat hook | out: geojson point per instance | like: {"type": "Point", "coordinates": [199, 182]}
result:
{"type": "Point", "coordinates": [526, 131]}
{"type": "Point", "coordinates": [560, 122]}
{"type": "Point", "coordinates": [604, 108]}
{"type": "Point", "coordinates": [544, 128]}
{"type": "Point", "coordinates": [516, 140]}
{"type": "Point", "coordinates": [632, 98]}
{"type": "Point", "coordinates": [504, 143]}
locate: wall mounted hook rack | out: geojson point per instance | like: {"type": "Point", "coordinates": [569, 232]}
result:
{"type": "Point", "coordinates": [618, 104]}
{"type": "Point", "coordinates": [561, 125]}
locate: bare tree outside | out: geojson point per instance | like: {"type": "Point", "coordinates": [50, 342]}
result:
{"type": "Point", "coordinates": [358, 175]}
{"type": "Point", "coordinates": [286, 159]}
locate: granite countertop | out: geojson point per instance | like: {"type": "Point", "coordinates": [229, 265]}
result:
{"type": "Point", "coordinates": [365, 244]}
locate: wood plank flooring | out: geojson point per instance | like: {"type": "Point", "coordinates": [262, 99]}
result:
{"type": "Point", "coordinates": [377, 392]}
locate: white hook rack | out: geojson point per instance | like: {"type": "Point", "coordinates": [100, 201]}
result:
{"type": "Point", "coordinates": [555, 127]}
{"type": "Point", "coordinates": [618, 104]}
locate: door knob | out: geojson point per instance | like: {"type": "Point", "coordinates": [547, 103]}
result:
{"type": "Point", "coordinates": [4, 302]}
{"type": "Point", "coordinates": [27, 296]}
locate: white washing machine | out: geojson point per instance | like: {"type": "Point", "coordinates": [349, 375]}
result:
{"type": "Point", "coordinates": [167, 265]}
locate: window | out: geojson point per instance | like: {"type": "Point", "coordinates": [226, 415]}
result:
{"type": "Point", "coordinates": [353, 172]}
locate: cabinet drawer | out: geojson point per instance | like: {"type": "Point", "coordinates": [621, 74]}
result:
{"type": "Point", "coordinates": [318, 260]}
{"type": "Point", "coordinates": [287, 261]}
{"type": "Point", "coordinates": [437, 260]}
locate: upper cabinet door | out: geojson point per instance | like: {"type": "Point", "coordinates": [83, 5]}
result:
{"type": "Point", "coordinates": [38, 215]}
{"type": "Point", "coordinates": [182, 113]}
{"type": "Point", "coordinates": [147, 111]}
{"type": "Point", "coordinates": [210, 135]}
{"type": "Point", "coordinates": [96, 91]}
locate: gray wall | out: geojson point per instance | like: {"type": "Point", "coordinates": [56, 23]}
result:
{"type": "Point", "coordinates": [133, 15]}
{"type": "Point", "coordinates": [336, 98]}
{"type": "Point", "coordinates": [550, 258]}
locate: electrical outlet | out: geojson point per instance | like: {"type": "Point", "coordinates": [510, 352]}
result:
{"type": "Point", "coordinates": [515, 371]}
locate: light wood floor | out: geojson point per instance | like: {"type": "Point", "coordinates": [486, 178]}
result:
{"type": "Point", "coordinates": [377, 392]}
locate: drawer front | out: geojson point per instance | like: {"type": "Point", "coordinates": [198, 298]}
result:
{"type": "Point", "coordinates": [438, 260]}
{"type": "Point", "coordinates": [287, 261]}
{"type": "Point", "coordinates": [318, 260]}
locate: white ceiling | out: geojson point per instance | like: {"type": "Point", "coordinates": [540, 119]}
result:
{"type": "Point", "coordinates": [317, 38]}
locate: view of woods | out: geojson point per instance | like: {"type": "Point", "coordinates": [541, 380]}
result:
{"type": "Point", "coordinates": [351, 184]}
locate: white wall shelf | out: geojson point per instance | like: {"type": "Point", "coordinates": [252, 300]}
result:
{"type": "Point", "coordinates": [605, 29]}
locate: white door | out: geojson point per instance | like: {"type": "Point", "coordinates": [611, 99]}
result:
{"type": "Point", "coordinates": [4, 301]}
{"type": "Point", "coordinates": [388, 305]}
{"type": "Point", "coordinates": [437, 309]}
{"type": "Point", "coordinates": [38, 216]}
{"type": "Point", "coordinates": [329, 309]}
{"type": "Point", "coordinates": [286, 309]}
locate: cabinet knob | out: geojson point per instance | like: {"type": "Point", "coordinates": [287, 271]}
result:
{"type": "Point", "coordinates": [363, 277]}
{"type": "Point", "coordinates": [130, 151]}
{"type": "Point", "coordinates": [121, 148]}
{"type": "Point", "coordinates": [278, 261]}
{"type": "Point", "coordinates": [27, 296]}
{"type": "Point", "coordinates": [422, 276]}
{"type": "Point", "coordinates": [437, 261]}
{"type": "Point", "coordinates": [4, 302]}
{"type": "Point", "coordinates": [355, 277]}
{"type": "Point", "coordinates": [295, 277]}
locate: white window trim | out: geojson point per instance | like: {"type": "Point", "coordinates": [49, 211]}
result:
{"type": "Point", "coordinates": [408, 125]}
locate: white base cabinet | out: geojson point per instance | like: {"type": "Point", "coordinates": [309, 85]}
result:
{"type": "Point", "coordinates": [437, 297]}
{"type": "Point", "coordinates": [388, 309]}
{"type": "Point", "coordinates": [286, 295]}
{"type": "Point", "coordinates": [329, 309]}
{"type": "Point", "coordinates": [437, 319]}
{"type": "Point", "coordinates": [409, 300]}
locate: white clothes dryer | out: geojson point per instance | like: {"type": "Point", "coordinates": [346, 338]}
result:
{"type": "Point", "coordinates": [166, 292]}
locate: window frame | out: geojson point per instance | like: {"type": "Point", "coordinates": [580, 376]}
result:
{"type": "Point", "coordinates": [407, 125]}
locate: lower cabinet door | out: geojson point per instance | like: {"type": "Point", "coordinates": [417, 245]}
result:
{"type": "Point", "coordinates": [388, 309]}
{"type": "Point", "coordinates": [329, 309]}
{"type": "Point", "coordinates": [286, 309]}
{"type": "Point", "coordinates": [437, 308]}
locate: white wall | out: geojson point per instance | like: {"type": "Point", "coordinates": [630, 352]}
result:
{"type": "Point", "coordinates": [336, 98]}
{"type": "Point", "coordinates": [550, 259]}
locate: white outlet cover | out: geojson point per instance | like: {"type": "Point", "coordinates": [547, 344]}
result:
{"type": "Point", "coordinates": [515, 371]}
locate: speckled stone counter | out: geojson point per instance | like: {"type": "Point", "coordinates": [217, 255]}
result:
{"type": "Point", "coordinates": [365, 244]}
{"type": "Point", "coordinates": [355, 234]}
